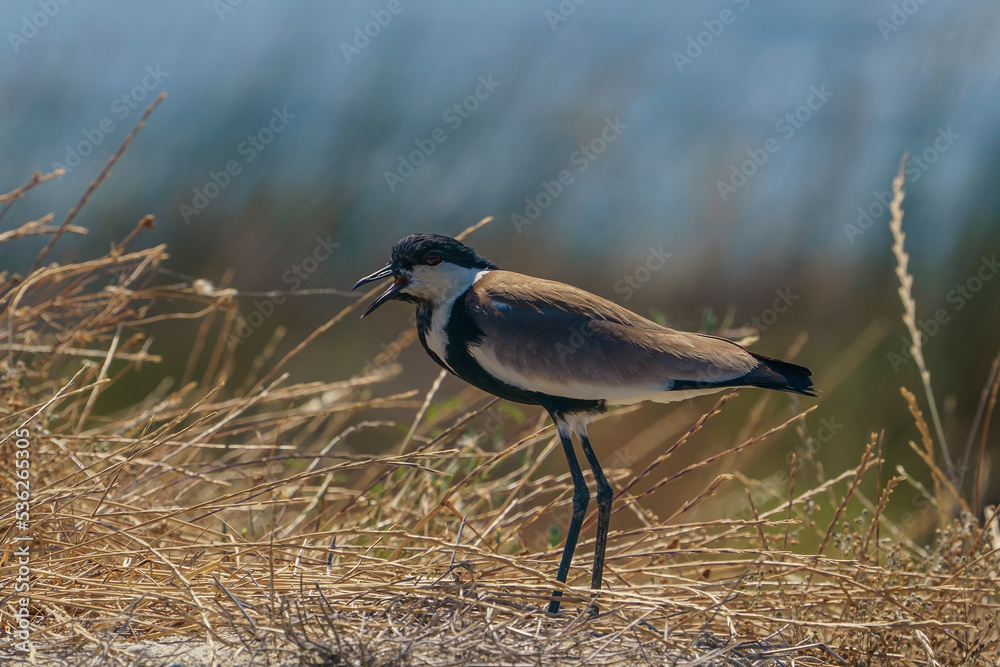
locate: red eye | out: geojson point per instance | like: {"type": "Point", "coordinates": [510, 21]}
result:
{"type": "Point", "coordinates": [432, 259]}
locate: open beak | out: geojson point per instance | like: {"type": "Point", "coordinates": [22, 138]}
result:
{"type": "Point", "coordinates": [381, 274]}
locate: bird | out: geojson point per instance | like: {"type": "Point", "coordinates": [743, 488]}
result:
{"type": "Point", "coordinates": [538, 342]}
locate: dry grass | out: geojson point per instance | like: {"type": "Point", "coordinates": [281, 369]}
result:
{"type": "Point", "coordinates": [205, 524]}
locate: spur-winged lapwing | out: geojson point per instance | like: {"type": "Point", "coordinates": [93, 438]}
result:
{"type": "Point", "coordinates": [544, 343]}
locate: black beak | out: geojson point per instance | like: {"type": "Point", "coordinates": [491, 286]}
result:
{"type": "Point", "coordinates": [381, 274]}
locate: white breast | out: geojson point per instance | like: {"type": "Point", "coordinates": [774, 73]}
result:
{"type": "Point", "coordinates": [436, 336]}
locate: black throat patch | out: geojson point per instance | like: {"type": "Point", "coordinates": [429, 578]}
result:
{"type": "Point", "coordinates": [462, 333]}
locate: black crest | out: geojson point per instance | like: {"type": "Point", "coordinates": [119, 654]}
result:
{"type": "Point", "coordinates": [412, 249]}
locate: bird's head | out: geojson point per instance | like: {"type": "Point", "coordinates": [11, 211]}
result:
{"type": "Point", "coordinates": [427, 268]}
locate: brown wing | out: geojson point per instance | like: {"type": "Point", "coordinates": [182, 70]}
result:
{"type": "Point", "coordinates": [550, 337]}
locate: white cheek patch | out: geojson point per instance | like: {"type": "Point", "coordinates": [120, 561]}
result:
{"type": "Point", "coordinates": [440, 283]}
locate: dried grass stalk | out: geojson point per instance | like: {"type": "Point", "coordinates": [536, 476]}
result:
{"type": "Point", "coordinates": [204, 524]}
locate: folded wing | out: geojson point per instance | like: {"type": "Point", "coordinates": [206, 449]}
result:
{"type": "Point", "coordinates": [556, 339]}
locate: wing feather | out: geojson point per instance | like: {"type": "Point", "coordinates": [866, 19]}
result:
{"type": "Point", "coordinates": [555, 338]}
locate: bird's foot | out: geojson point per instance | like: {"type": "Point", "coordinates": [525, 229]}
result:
{"type": "Point", "coordinates": [553, 608]}
{"type": "Point", "coordinates": [591, 611]}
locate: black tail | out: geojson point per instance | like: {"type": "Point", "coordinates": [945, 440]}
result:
{"type": "Point", "coordinates": [780, 375]}
{"type": "Point", "coordinates": [769, 374]}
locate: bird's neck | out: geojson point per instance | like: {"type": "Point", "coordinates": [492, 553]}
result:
{"type": "Point", "coordinates": [425, 312]}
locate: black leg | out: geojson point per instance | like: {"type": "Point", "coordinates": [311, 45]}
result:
{"type": "Point", "coordinates": [581, 498]}
{"type": "Point", "coordinates": [605, 494]}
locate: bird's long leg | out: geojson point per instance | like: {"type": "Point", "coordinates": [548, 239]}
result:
{"type": "Point", "coordinates": [605, 494]}
{"type": "Point", "coordinates": [581, 498]}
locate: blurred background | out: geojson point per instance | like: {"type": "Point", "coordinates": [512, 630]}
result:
{"type": "Point", "coordinates": [705, 164]}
